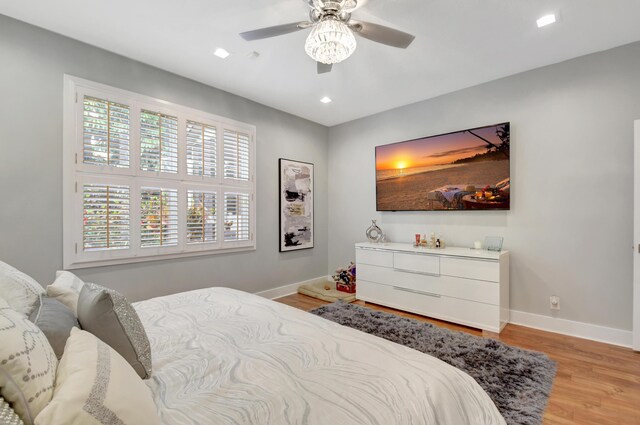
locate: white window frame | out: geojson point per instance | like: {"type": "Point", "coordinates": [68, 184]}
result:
{"type": "Point", "coordinates": [76, 174]}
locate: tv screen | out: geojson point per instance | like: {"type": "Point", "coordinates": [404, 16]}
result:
{"type": "Point", "coordinates": [465, 170]}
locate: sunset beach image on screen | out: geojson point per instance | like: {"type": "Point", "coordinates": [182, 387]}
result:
{"type": "Point", "coordinates": [464, 170]}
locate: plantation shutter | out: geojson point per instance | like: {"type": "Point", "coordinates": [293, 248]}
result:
{"type": "Point", "coordinates": [201, 150]}
{"type": "Point", "coordinates": [105, 128]}
{"type": "Point", "coordinates": [158, 217]}
{"type": "Point", "coordinates": [236, 216]}
{"type": "Point", "coordinates": [236, 155]}
{"type": "Point", "coordinates": [106, 223]}
{"type": "Point", "coordinates": [158, 142]}
{"type": "Point", "coordinates": [146, 179]}
{"type": "Point", "coordinates": [201, 216]}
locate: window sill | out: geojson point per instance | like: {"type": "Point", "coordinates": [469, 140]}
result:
{"type": "Point", "coordinates": [156, 257]}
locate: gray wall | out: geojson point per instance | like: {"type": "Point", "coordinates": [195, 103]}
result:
{"type": "Point", "coordinates": [33, 62]}
{"type": "Point", "coordinates": [570, 227]}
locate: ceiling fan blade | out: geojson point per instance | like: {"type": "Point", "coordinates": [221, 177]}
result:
{"type": "Point", "coordinates": [382, 34]}
{"type": "Point", "coordinates": [323, 68]}
{"type": "Point", "coordinates": [273, 31]}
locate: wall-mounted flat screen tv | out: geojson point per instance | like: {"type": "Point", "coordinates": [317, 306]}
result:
{"type": "Point", "coordinates": [464, 170]}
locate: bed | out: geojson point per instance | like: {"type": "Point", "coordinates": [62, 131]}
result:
{"type": "Point", "coordinates": [222, 356]}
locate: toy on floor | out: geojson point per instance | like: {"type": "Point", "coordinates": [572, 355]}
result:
{"type": "Point", "coordinates": [345, 279]}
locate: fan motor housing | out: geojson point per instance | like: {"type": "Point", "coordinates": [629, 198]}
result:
{"type": "Point", "coordinates": [331, 10]}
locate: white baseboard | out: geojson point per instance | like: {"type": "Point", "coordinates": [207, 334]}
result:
{"type": "Point", "coordinates": [568, 327]}
{"type": "Point", "coordinates": [289, 289]}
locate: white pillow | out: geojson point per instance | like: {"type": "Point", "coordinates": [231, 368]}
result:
{"type": "Point", "coordinates": [95, 385]}
{"type": "Point", "coordinates": [66, 289]}
{"type": "Point", "coordinates": [21, 291]}
{"type": "Point", "coordinates": [27, 365]}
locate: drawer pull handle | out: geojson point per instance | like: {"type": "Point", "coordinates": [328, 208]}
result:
{"type": "Point", "coordinates": [416, 272]}
{"type": "Point", "coordinates": [413, 291]}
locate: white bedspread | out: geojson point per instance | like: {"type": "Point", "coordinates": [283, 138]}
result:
{"type": "Point", "coordinates": [222, 356]}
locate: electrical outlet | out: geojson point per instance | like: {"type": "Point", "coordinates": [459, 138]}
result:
{"type": "Point", "coordinates": [554, 302]}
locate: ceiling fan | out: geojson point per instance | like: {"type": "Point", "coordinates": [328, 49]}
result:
{"type": "Point", "coordinates": [332, 37]}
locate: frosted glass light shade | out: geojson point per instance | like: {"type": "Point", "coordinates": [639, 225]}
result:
{"type": "Point", "coordinates": [330, 41]}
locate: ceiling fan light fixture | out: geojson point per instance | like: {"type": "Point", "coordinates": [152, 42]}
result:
{"type": "Point", "coordinates": [330, 41]}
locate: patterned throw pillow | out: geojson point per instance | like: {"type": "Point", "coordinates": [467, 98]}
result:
{"type": "Point", "coordinates": [96, 386]}
{"type": "Point", "coordinates": [19, 289]}
{"type": "Point", "coordinates": [108, 315]}
{"type": "Point", "coordinates": [27, 365]}
{"type": "Point", "coordinates": [66, 289]}
{"type": "Point", "coordinates": [7, 415]}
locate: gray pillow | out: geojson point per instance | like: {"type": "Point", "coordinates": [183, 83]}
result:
{"type": "Point", "coordinates": [108, 315]}
{"type": "Point", "coordinates": [55, 320]}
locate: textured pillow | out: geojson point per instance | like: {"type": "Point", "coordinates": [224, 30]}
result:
{"type": "Point", "coordinates": [19, 289]}
{"type": "Point", "coordinates": [27, 365]}
{"type": "Point", "coordinates": [55, 320]}
{"type": "Point", "coordinates": [66, 289]}
{"type": "Point", "coordinates": [96, 386]}
{"type": "Point", "coordinates": [109, 316]}
{"type": "Point", "coordinates": [7, 415]}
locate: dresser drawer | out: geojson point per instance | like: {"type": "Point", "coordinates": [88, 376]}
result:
{"type": "Point", "coordinates": [470, 268]}
{"type": "Point", "coordinates": [479, 315]}
{"type": "Point", "coordinates": [416, 263]}
{"type": "Point", "coordinates": [472, 290]}
{"type": "Point", "coordinates": [372, 256]}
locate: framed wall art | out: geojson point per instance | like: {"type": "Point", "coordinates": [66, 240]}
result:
{"type": "Point", "coordinates": [296, 205]}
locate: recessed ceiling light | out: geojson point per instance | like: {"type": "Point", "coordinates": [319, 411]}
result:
{"type": "Point", "coordinates": [221, 53]}
{"type": "Point", "coordinates": [325, 100]}
{"type": "Point", "coordinates": [546, 20]}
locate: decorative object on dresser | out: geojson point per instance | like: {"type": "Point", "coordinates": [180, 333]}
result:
{"type": "Point", "coordinates": [374, 232]}
{"type": "Point", "coordinates": [459, 285]}
{"type": "Point", "coordinates": [296, 205]}
{"type": "Point", "coordinates": [518, 381]}
{"type": "Point", "coordinates": [493, 243]}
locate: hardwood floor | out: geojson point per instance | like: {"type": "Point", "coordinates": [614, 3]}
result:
{"type": "Point", "coordinates": [596, 383]}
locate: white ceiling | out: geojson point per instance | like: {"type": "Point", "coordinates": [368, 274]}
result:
{"type": "Point", "coordinates": [459, 43]}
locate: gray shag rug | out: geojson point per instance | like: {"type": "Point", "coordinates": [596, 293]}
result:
{"type": "Point", "coordinates": [518, 381]}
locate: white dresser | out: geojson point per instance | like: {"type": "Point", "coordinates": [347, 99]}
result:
{"type": "Point", "coordinates": [460, 285]}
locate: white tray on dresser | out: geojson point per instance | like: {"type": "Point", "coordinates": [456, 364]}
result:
{"type": "Point", "coordinates": [460, 285]}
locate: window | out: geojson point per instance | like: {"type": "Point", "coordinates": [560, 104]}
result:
{"type": "Point", "coordinates": [158, 217]}
{"type": "Point", "coordinates": [105, 223]}
{"type": "Point", "coordinates": [158, 142]}
{"type": "Point", "coordinates": [236, 217]}
{"type": "Point", "coordinates": [201, 217]}
{"type": "Point", "coordinates": [145, 179]}
{"type": "Point", "coordinates": [105, 132]}
{"type": "Point", "coordinates": [202, 149]}
{"type": "Point", "coordinates": [236, 155]}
